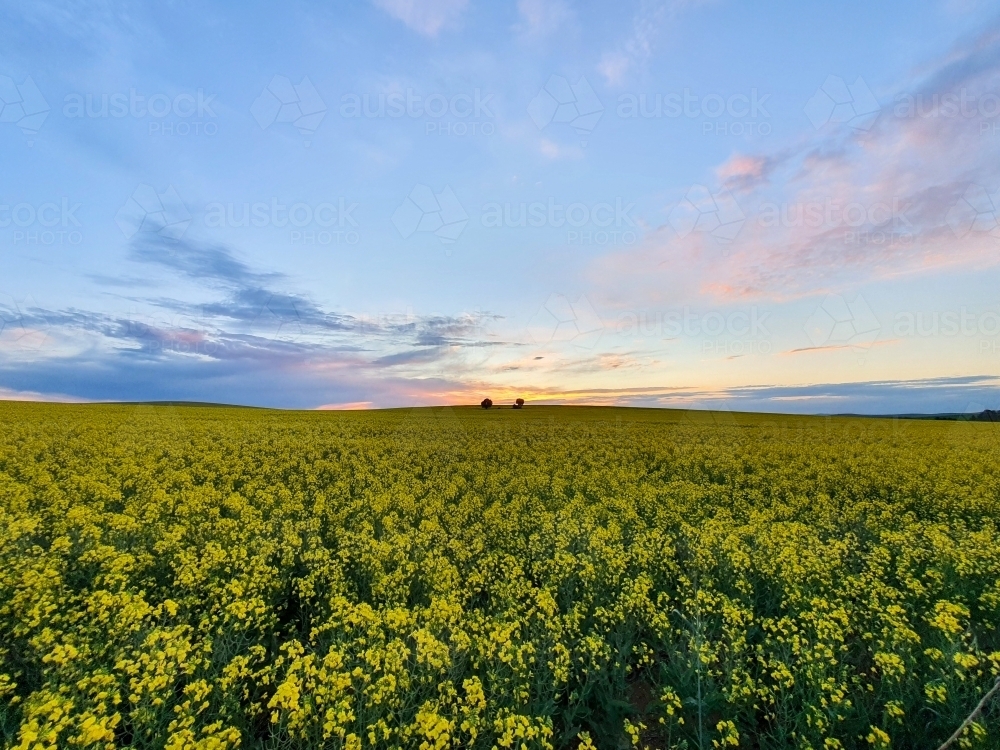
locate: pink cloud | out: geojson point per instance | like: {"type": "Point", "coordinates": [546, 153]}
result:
{"type": "Point", "coordinates": [744, 171]}
{"type": "Point", "coordinates": [915, 193]}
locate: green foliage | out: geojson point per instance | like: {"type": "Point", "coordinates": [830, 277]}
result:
{"type": "Point", "coordinates": [176, 577]}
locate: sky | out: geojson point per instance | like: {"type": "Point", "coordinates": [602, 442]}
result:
{"type": "Point", "coordinates": [774, 207]}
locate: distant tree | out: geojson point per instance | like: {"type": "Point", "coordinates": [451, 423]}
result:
{"type": "Point", "coordinates": [519, 403]}
{"type": "Point", "coordinates": [486, 403]}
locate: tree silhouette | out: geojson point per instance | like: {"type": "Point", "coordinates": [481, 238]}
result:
{"type": "Point", "coordinates": [486, 403]}
{"type": "Point", "coordinates": [519, 403]}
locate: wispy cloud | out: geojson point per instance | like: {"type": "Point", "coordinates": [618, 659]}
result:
{"type": "Point", "coordinates": [539, 18]}
{"type": "Point", "coordinates": [426, 17]}
{"type": "Point", "coordinates": [254, 329]}
{"type": "Point", "coordinates": [93, 23]}
{"type": "Point", "coordinates": [199, 262]}
{"type": "Point", "coordinates": [633, 51]}
{"type": "Point", "coordinates": [842, 206]}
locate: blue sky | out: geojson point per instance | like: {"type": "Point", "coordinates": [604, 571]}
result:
{"type": "Point", "coordinates": [703, 204]}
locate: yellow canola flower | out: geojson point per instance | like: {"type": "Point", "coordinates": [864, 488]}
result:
{"type": "Point", "coordinates": [454, 578]}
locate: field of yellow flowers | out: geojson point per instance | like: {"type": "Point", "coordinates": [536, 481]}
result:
{"type": "Point", "coordinates": [555, 577]}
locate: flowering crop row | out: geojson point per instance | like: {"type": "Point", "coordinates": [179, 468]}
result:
{"type": "Point", "coordinates": [181, 577]}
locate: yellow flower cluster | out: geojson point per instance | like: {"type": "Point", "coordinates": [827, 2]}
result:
{"type": "Point", "coordinates": [182, 577]}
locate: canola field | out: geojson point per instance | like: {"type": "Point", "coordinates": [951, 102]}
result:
{"type": "Point", "coordinates": [555, 577]}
